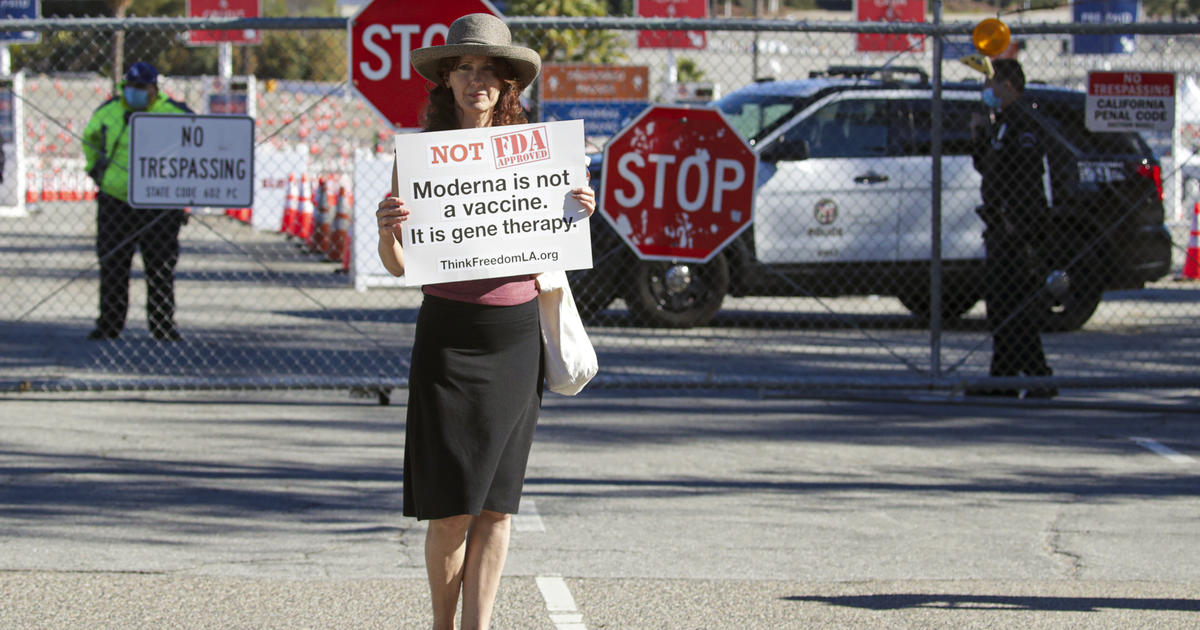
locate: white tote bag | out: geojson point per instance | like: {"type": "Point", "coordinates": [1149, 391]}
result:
{"type": "Point", "coordinates": [569, 355]}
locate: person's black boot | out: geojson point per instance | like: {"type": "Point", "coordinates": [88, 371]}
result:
{"type": "Point", "coordinates": [993, 392]}
{"type": "Point", "coordinates": [167, 334]}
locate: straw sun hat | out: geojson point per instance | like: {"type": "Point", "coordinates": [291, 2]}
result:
{"type": "Point", "coordinates": [478, 34]}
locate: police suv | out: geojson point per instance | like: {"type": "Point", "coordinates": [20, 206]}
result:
{"type": "Point", "coordinates": [845, 197]}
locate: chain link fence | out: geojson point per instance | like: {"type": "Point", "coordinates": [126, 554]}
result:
{"type": "Point", "coordinates": [832, 287]}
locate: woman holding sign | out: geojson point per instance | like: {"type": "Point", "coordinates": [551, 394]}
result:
{"type": "Point", "coordinates": [475, 382]}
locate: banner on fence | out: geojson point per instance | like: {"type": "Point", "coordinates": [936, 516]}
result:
{"type": "Point", "coordinates": [12, 170]}
{"type": "Point", "coordinates": [1104, 12]}
{"type": "Point", "coordinates": [890, 11]}
{"type": "Point", "coordinates": [224, 9]}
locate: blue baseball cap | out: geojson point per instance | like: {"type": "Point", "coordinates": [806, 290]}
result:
{"type": "Point", "coordinates": [142, 73]}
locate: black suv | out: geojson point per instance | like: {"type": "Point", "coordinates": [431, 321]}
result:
{"type": "Point", "coordinates": [844, 202]}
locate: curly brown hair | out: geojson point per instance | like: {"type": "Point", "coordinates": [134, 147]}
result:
{"type": "Point", "coordinates": [441, 112]}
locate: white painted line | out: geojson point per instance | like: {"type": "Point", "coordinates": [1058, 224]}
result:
{"type": "Point", "coordinates": [1157, 447]}
{"type": "Point", "coordinates": [559, 602]}
{"type": "Point", "coordinates": [528, 519]}
{"type": "Point", "coordinates": [557, 595]}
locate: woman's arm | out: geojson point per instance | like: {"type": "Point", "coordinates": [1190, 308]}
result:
{"type": "Point", "coordinates": [390, 217]}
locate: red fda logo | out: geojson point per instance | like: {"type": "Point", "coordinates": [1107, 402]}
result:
{"type": "Point", "coordinates": [521, 147]}
{"type": "Point", "coordinates": [678, 184]}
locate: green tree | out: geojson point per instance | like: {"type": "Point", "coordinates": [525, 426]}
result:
{"type": "Point", "coordinates": [308, 55]}
{"type": "Point", "coordinates": [688, 71]}
{"type": "Point", "coordinates": [568, 46]}
{"type": "Point", "coordinates": [314, 55]}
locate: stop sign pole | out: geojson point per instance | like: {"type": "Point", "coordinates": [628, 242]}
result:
{"type": "Point", "coordinates": [381, 38]}
{"type": "Point", "coordinates": [678, 184]}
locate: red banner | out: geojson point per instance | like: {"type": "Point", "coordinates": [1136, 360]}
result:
{"type": "Point", "coordinates": [890, 11]}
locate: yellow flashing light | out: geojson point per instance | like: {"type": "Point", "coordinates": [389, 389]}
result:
{"type": "Point", "coordinates": [991, 37]}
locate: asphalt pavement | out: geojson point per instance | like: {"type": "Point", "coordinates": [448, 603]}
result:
{"type": "Point", "coordinates": [642, 509]}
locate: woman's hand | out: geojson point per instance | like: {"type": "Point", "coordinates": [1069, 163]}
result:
{"type": "Point", "coordinates": [586, 197]}
{"type": "Point", "coordinates": [391, 214]}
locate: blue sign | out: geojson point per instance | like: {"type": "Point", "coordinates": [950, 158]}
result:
{"type": "Point", "coordinates": [1105, 12]}
{"type": "Point", "coordinates": [19, 10]}
{"type": "Point", "coordinates": [7, 114]}
{"type": "Point", "coordinates": [237, 103]}
{"type": "Point", "coordinates": [957, 47]}
{"type": "Point", "coordinates": [600, 118]}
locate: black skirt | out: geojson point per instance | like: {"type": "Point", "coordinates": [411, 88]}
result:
{"type": "Point", "coordinates": [474, 392]}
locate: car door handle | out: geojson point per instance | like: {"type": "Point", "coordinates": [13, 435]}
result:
{"type": "Point", "coordinates": [871, 177]}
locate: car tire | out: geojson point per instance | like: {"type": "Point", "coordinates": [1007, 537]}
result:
{"type": "Point", "coordinates": [678, 294]}
{"type": "Point", "coordinates": [1084, 290]}
{"type": "Point", "coordinates": [1075, 308]}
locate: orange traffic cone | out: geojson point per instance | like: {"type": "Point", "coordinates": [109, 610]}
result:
{"type": "Point", "coordinates": [32, 186]}
{"type": "Point", "coordinates": [291, 205]}
{"type": "Point", "coordinates": [1191, 260]}
{"type": "Point", "coordinates": [303, 226]}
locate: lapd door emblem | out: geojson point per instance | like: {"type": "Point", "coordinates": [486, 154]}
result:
{"type": "Point", "coordinates": [826, 211]}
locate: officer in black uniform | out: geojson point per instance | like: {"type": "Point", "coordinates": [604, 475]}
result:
{"type": "Point", "coordinates": [1010, 155]}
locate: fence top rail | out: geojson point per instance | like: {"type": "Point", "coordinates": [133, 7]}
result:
{"type": "Point", "coordinates": [610, 23]}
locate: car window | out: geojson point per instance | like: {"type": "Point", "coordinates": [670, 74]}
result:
{"type": "Point", "coordinates": [846, 129]}
{"type": "Point", "coordinates": [755, 116]}
{"type": "Point", "coordinates": [1067, 116]}
{"type": "Point", "coordinates": [956, 127]}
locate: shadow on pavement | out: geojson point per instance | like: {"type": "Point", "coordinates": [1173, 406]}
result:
{"type": "Point", "coordinates": [899, 601]}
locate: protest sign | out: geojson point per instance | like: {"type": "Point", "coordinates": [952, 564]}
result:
{"type": "Point", "coordinates": [493, 202]}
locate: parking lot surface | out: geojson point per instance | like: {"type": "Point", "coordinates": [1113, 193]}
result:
{"type": "Point", "coordinates": [642, 509]}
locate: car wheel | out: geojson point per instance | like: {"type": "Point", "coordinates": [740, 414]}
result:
{"type": "Point", "coordinates": [956, 302]}
{"type": "Point", "coordinates": [678, 294]}
{"type": "Point", "coordinates": [1077, 304]}
{"type": "Point", "coordinates": [1075, 307]}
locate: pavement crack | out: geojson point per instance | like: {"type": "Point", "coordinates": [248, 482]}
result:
{"type": "Point", "coordinates": [1071, 563]}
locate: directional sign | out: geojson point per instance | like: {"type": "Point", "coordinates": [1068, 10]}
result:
{"type": "Point", "coordinates": [1104, 12]}
{"type": "Point", "coordinates": [581, 82]}
{"type": "Point", "coordinates": [177, 161]}
{"type": "Point", "coordinates": [383, 34]}
{"type": "Point", "coordinates": [220, 9]}
{"type": "Point", "coordinates": [600, 118]}
{"type": "Point", "coordinates": [19, 10]}
{"type": "Point", "coordinates": [678, 183]}
{"type": "Point", "coordinates": [605, 98]}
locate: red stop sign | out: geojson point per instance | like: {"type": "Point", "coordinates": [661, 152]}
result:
{"type": "Point", "coordinates": [678, 183]}
{"type": "Point", "coordinates": [383, 34]}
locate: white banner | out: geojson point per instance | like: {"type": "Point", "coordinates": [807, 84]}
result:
{"type": "Point", "coordinates": [493, 202]}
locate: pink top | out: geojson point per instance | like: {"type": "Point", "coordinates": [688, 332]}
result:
{"type": "Point", "coordinates": [508, 291]}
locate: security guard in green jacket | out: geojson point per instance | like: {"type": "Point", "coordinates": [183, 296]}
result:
{"type": "Point", "coordinates": [122, 229]}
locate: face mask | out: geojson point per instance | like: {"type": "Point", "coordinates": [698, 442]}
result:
{"type": "Point", "coordinates": [137, 98]}
{"type": "Point", "coordinates": [990, 99]}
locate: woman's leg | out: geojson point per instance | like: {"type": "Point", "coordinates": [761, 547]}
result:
{"type": "Point", "coordinates": [445, 549]}
{"type": "Point", "coordinates": [487, 548]}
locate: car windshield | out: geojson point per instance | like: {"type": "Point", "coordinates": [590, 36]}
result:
{"type": "Point", "coordinates": [755, 115]}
